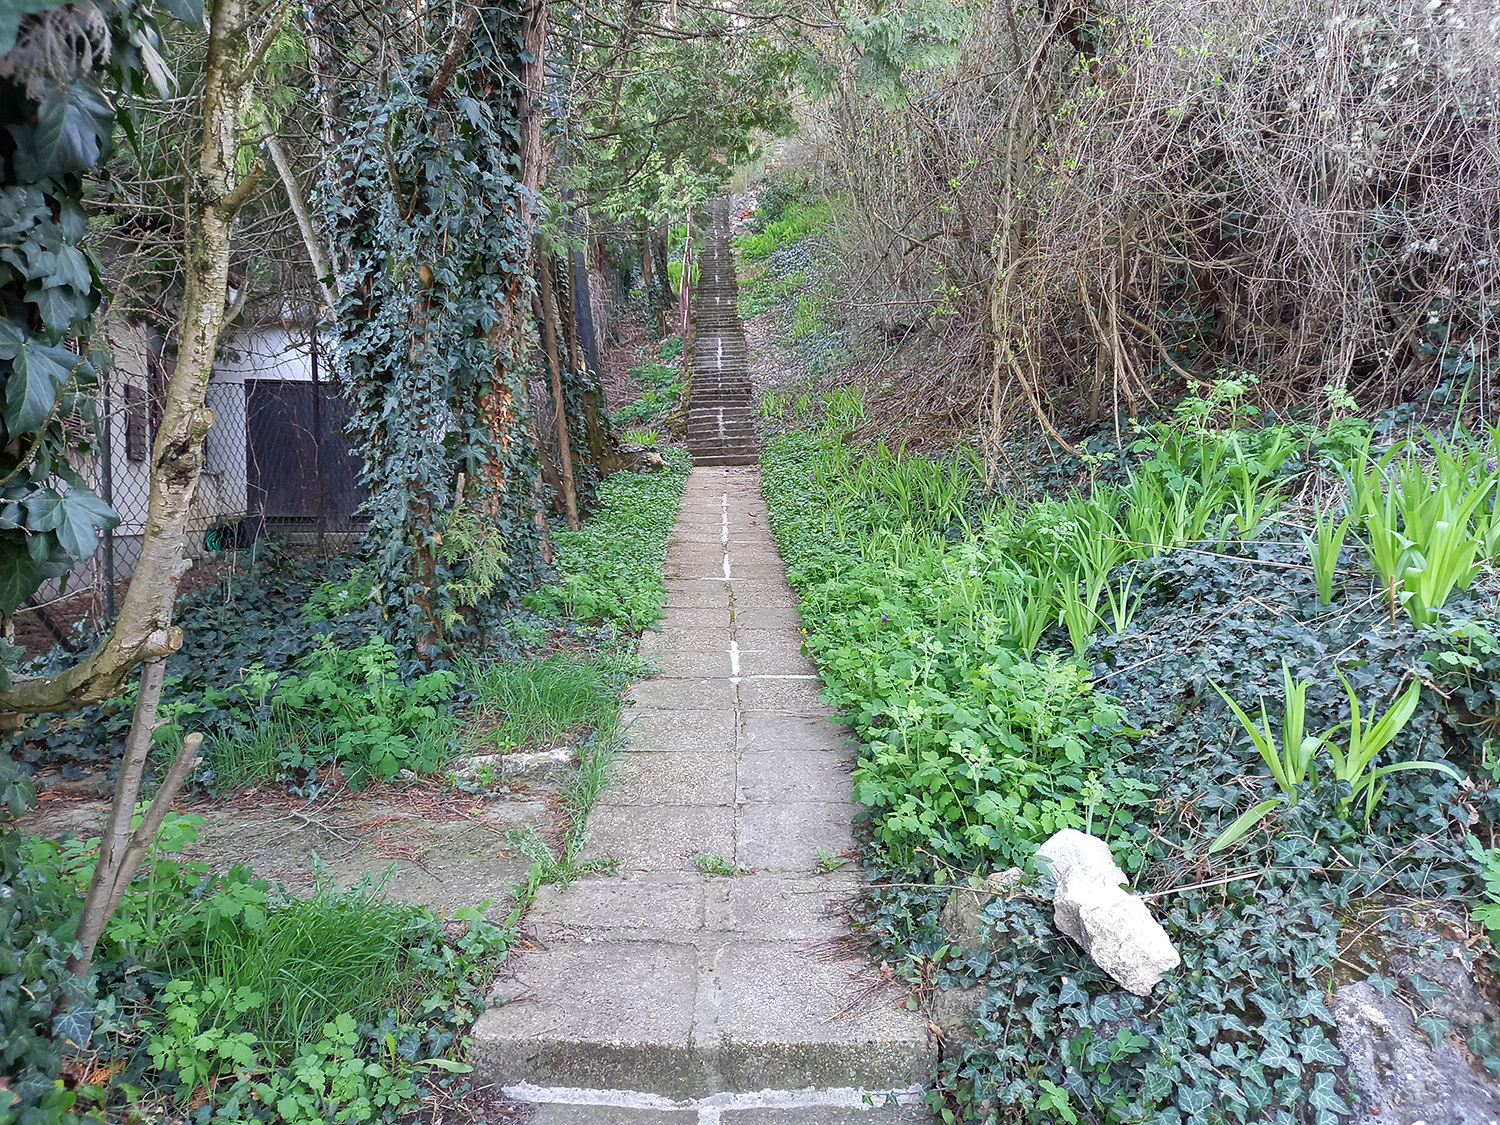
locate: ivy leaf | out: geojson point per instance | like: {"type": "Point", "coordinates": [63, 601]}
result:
{"type": "Point", "coordinates": [37, 376]}
{"type": "Point", "coordinates": [72, 125]}
{"type": "Point", "coordinates": [1315, 1047]}
{"type": "Point", "coordinates": [1278, 1057]}
{"type": "Point", "coordinates": [73, 270]}
{"type": "Point", "coordinates": [1381, 983]}
{"type": "Point", "coordinates": [76, 517]}
{"type": "Point", "coordinates": [1436, 1027]}
{"type": "Point", "coordinates": [59, 308]}
{"type": "Point", "coordinates": [75, 1022]}
{"type": "Point", "coordinates": [1424, 987]}
{"type": "Point", "coordinates": [1191, 1099]}
{"type": "Point", "coordinates": [19, 574]}
{"type": "Point", "coordinates": [1324, 1098]}
{"type": "Point", "coordinates": [189, 12]}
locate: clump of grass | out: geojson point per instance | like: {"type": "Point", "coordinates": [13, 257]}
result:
{"type": "Point", "coordinates": [308, 959]}
{"type": "Point", "coordinates": [545, 699]}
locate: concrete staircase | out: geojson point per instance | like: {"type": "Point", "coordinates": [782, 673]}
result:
{"type": "Point", "coordinates": [720, 429]}
{"type": "Point", "coordinates": [713, 978]}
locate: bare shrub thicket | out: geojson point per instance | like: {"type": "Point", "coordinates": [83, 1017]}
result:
{"type": "Point", "coordinates": [1099, 209]}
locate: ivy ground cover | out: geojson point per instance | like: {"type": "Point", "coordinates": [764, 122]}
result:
{"type": "Point", "coordinates": [1014, 668]}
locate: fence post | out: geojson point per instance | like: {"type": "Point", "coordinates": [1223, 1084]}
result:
{"type": "Point", "coordinates": [317, 419]}
{"type": "Point", "coordinates": [107, 484]}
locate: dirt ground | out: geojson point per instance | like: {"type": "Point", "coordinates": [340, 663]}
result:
{"type": "Point", "coordinates": [449, 848]}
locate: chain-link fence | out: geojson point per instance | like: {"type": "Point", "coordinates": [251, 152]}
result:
{"type": "Point", "coordinates": [276, 462]}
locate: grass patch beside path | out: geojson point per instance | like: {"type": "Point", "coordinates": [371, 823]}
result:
{"type": "Point", "coordinates": [542, 700]}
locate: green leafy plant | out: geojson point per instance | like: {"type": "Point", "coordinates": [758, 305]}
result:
{"type": "Point", "coordinates": [1124, 600]}
{"type": "Point", "coordinates": [1487, 866]}
{"type": "Point", "coordinates": [712, 863]}
{"type": "Point", "coordinates": [1426, 519]}
{"type": "Point", "coordinates": [830, 861]}
{"type": "Point", "coordinates": [1323, 548]}
{"type": "Point", "coordinates": [1078, 617]}
{"type": "Point", "coordinates": [797, 220]}
{"type": "Point", "coordinates": [1292, 761]}
{"type": "Point", "coordinates": [354, 703]}
{"type": "Point", "coordinates": [473, 548]}
{"type": "Point", "coordinates": [1365, 740]}
{"type": "Point", "coordinates": [610, 570]}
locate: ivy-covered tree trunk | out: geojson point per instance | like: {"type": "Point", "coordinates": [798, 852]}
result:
{"type": "Point", "coordinates": [497, 404]}
{"type": "Point", "coordinates": [216, 190]}
{"type": "Point", "coordinates": [430, 202]}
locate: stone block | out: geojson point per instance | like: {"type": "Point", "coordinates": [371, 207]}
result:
{"type": "Point", "coordinates": [659, 837]}
{"type": "Point", "coordinates": [790, 775]}
{"type": "Point", "coordinates": [698, 731]}
{"type": "Point", "coordinates": [1114, 928]}
{"type": "Point", "coordinates": [1071, 848]}
{"type": "Point", "coordinates": [662, 777]}
{"type": "Point", "coordinates": [786, 837]}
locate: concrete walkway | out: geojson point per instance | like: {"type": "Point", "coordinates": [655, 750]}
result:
{"type": "Point", "coordinates": [662, 994]}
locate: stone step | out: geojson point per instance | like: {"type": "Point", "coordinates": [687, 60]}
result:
{"type": "Point", "coordinates": [730, 443]}
{"type": "Point", "coordinates": [714, 415]}
{"type": "Point", "coordinates": [659, 982]}
{"type": "Point", "coordinates": [711, 460]}
{"type": "Point", "coordinates": [727, 407]}
{"type": "Point", "coordinates": [661, 994]}
{"type": "Point", "coordinates": [710, 426]}
{"type": "Point", "coordinates": [724, 449]}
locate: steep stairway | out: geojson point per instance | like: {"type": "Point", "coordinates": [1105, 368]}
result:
{"type": "Point", "coordinates": [720, 428]}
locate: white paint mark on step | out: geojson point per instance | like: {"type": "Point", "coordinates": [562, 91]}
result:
{"type": "Point", "coordinates": [724, 508]}
{"type": "Point", "coordinates": [711, 1108]}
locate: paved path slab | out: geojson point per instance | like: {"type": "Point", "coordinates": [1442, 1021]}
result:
{"type": "Point", "coordinates": [662, 993]}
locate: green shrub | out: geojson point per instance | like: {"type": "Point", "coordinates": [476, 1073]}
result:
{"type": "Point", "coordinates": [610, 570]}
{"type": "Point", "coordinates": [220, 987]}
{"type": "Point", "coordinates": [970, 749]}
{"type": "Point", "coordinates": [349, 706]}
{"type": "Point", "coordinates": [42, 1004]}
{"type": "Point", "coordinates": [663, 390]}
{"type": "Point", "coordinates": [797, 218]}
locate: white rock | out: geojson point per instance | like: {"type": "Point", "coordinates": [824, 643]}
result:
{"type": "Point", "coordinates": [1071, 848]}
{"type": "Point", "coordinates": [1114, 928]}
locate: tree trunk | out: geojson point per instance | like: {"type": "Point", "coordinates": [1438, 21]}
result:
{"type": "Point", "coordinates": [548, 474]}
{"type": "Point", "coordinates": [317, 256]}
{"type": "Point", "coordinates": [121, 850]}
{"type": "Point", "coordinates": [215, 195]}
{"type": "Point", "coordinates": [661, 242]}
{"type": "Point", "coordinates": [559, 401]}
{"type": "Point", "coordinates": [497, 407]}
